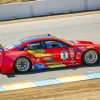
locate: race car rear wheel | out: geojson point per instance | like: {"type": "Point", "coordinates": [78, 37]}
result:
{"type": "Point", "coordinates": [90, 57]}
{"type": "Point", "coordinates": [22, 65]}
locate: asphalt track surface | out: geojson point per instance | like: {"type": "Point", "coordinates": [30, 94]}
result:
{"type": "Point", "coordinates": [74, 28]}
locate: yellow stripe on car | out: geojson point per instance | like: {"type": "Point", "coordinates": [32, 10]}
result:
{"type": "Point", "coordinates": [39, 53]}
{"type": "Point", "coordinates": [56, 65]}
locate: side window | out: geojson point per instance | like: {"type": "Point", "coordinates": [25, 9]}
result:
{"type": "Point", "coordinates": [54, 44]}
{"type": "Point", "coordinates": [65, 45]}
{"type": "Point", "coordinates": [51, 44]}
{"type": "Point", "coordinates": [34, 46]}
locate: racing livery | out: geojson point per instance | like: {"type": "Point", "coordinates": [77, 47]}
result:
{"type": "Point", "coordinates": [46, 51]}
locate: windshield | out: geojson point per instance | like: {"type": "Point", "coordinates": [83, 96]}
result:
{"type": "Point", "coordinates": [16, 44]}
{"type": "Point", "coordinates": [71, 42]}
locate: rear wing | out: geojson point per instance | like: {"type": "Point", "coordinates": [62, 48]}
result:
{"type": "Point", "coordinates": [1, 48]}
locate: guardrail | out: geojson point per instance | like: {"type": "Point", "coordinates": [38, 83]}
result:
{"type": "Point", "coordinates": [45, 7]}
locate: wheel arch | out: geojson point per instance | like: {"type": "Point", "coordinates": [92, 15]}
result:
{"type": "Point", "coordinates": [88, 50]}
{"type": "Point", "coordinates": [23, 57]}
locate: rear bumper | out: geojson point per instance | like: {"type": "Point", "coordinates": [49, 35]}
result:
{"type": "Point", "coordinates": [6, 70]}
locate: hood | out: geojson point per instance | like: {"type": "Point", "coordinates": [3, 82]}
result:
{"type": "Point", "coordinates": [83, 43]}
{"type": "Point", "coordinates": [80, 43]}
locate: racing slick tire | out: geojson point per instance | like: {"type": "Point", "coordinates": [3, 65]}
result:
{"type": "Point", "coordinates": [22, 65]}
{"type": "Point", "coordinates": [90, 57]}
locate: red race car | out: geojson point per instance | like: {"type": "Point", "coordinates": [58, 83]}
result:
{"type": "Point", "coordinates": [46, 51]}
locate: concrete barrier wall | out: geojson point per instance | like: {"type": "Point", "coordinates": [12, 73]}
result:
{"type": "Point", "coordinates": [93, 4]}
{"type": "Point", "coordinates": [18, 10]}
{"type": "Point", "coordinates": [45, 7]}
{"type": "Point", "coordinates": [57, 6]}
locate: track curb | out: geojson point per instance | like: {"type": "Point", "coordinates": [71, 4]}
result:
{"type": "Point", "coordinates": [47, 82]}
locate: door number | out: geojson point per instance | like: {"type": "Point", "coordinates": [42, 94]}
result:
{"type": "Point", "coordinates": [64, 55]}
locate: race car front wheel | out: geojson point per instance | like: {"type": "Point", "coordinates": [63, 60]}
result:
{"type": "Point", "coordinates": [90, 57]}
{"type": "Point", "coordinates": [22, 65]}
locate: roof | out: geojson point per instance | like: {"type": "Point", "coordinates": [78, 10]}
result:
{"type": "Point", "coordinates": [36, 37]}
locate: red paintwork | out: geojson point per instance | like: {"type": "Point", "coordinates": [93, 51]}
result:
{"type": "Point", "coordinates": [8, 57]}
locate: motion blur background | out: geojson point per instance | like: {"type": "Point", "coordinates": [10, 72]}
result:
{"type": "Point", "coordinates": [29, 9]}
{"type": "Point", "coordinates": [12, 1]}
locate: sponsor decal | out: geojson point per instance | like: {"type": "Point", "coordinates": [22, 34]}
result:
{"type": "Point", "coordinates": [56, 65]}
{"type": "Point", "coordinates": [39, 67]}
{"type": "Point", "coordinates": [64, 55]}
{"type": "Point", "coordinates": [82, 48]}
{"type": "Point", "coordinates": [90, 47]}
{"type": "Point", "coordinates": [42, 66]}
{"type": "Point", "coordinates": [49, 59]}
{"type": "Point", "coordinates": [72, 61]}
{"type": "Point", "coordinates": [71, 64]}
{"type": "Point", "coordinates": [37, 60]}
{"type": "Point", "coordinates": [38, 53]}
{"type": "Point", "coordinates": [78, 51]}
{"type": "Point", "coordinates": [72, 53]}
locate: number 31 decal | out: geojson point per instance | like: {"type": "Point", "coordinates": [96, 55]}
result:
{"type": "Point", "coordinates": [64, 55]}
